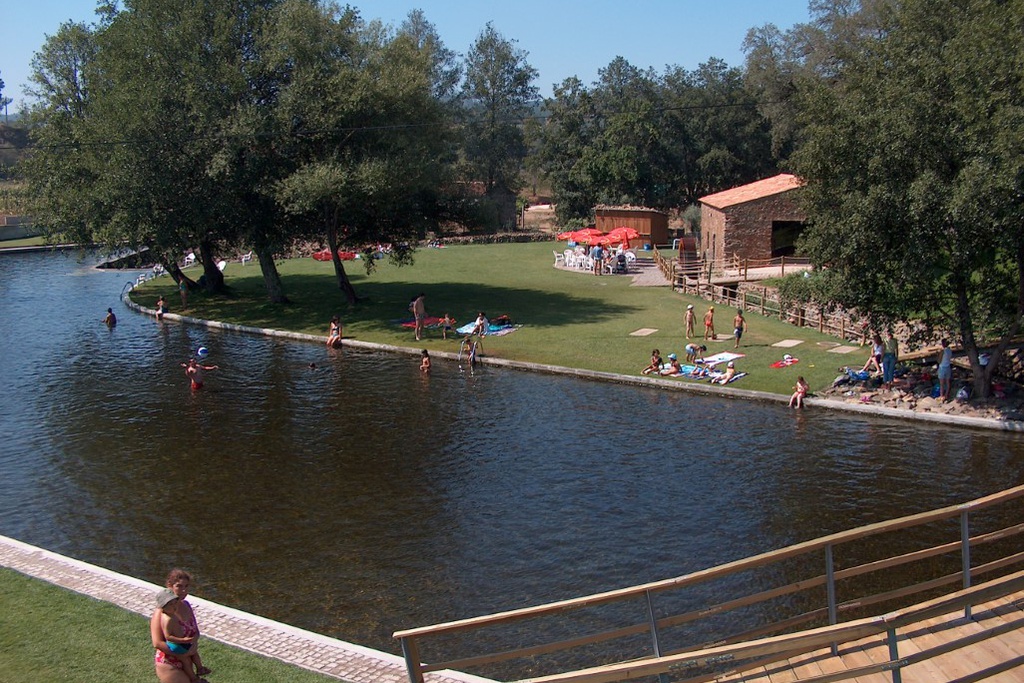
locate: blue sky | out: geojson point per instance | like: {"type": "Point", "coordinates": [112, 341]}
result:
{"type": "Point", "coordinates": [563, 37]}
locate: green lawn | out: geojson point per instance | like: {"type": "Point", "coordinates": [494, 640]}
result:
{"type": "Point", "coordinates": [24, 242]}
{"type": "Point", "coordinates": [48, 634]}
{"type": "Point", "coordinates": [569, 319]}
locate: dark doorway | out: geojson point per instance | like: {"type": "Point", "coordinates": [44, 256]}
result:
{"type": "Point", "coordinates": [784, 237]}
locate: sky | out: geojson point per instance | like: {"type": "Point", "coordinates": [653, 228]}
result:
{"type": "Point", "coordinates": [563, 38]}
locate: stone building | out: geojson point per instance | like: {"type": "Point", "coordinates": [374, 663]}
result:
{"type": "Point", "coordinates": [758, 221]}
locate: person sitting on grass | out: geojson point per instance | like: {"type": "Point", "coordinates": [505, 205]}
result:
{"type": "Point", "coordinates": [655, 365]}
{"type": "Point", "coordinates": [673, 367]}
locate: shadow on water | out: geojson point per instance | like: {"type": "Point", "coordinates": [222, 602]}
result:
{"type": "Point", "coordinates": [363, 497]}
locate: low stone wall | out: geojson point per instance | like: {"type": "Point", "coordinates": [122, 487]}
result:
{"type": "Point", "coordinates": [17, 227]}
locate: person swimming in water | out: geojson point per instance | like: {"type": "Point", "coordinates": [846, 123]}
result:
{"type": "Point", "coordinates": [194, 371]}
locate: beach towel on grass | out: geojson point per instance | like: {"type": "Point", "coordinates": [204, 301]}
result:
{"type": "Point", "coordinates": [691, 372]}
{"type": "Point", "coordinates": [725, 356]}
{"type": "Point", "coordinates": [429, 321]}
{"type": "Point", "coordinates": [785, 362]}
{"type": "Point", "coordinates": [492, 330]}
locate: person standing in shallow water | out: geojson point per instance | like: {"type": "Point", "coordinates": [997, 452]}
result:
{"type": "Point", "coordinates": [110, 319]}
{"type": "Point", "coordinates": [194, 371]}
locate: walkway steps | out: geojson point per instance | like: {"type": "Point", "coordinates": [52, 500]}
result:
{"type": "Point", "coordinates": [328, 656]}
{"type": "Point", "coordinates": [996, 659]}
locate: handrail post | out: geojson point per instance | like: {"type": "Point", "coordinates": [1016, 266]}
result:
{"type": "Point", "coordinates": [412, 660]}
{"type": "Point", "coordinates": [655, 641]}
{"type": "Point", "coordinates": [965, 555]}
{"type": "Point", "coordinates": [894, 656]}
{"type": "Point", "coordinates": [830, 591]}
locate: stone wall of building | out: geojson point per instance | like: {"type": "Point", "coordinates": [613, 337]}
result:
{"type": "Point", "coordinates": [748, 227]}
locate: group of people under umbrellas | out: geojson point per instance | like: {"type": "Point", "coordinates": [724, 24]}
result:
{"type": "Point", "coordinates": [599, 243]}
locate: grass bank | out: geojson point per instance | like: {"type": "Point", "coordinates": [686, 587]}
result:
{"type": "Point", "coordinates": [49, 634]}
{"type": "Point", "coordinates": [569, 319]}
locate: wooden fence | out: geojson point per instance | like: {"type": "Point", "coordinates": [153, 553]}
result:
{"type": "Point", "coordinates": [747, 296]}
{"type": "Point", "coordinates": [923, 571]}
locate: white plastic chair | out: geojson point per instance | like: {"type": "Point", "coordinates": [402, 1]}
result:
{"type": "Point", "coordinates": [190, 259]}
{"type": "Point", "coordinates": [630, 261]}
{"type": "Point", "coordinates": [559, 258]}
{"type": "Point", "coordinates": [221, 265]}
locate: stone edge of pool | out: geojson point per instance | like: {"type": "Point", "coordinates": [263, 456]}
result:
{"type": "Point", "coordinates": [638, 380]}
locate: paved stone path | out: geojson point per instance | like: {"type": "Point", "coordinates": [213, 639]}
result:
{"type": "Point", "coordinates": [328, 656]}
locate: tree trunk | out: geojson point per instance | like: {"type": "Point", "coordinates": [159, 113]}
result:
{"type": "Point", "coordinates": [344, 284]}
{"type": "Point", "coordinates": [177, 275]}
{"type": "Point", "coordinates": [271, 278]}
{"type": "Point", "coordinates": [213, 278]}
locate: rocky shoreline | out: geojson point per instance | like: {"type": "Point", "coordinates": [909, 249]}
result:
{"type": "Point", "coordinates": [915, 391]}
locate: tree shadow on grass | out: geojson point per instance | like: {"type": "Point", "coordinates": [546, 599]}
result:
{"type": "Point", "coordinates": [315, 299]}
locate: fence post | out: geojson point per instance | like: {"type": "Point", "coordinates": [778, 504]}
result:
{"type": "Point", "coordinates": [655, 641]}
{"type": "Point", "coordinates": [894, 656]}
{"type": "Point", "coordinates": [744, 299]}
{"type": "Point", "coordinates": [965, 555]}
{"type": "Point", "coordinates": [412, 660]}
{"type": "Point", "coordinates": [830, 591]}
{"type": "Point", "coordinates": [783, 265]}
{"type": "Point", "coordinates": [764, 296]}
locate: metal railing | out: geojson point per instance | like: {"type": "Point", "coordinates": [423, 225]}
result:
{"type": "Point", "coordinates": [659, 660]}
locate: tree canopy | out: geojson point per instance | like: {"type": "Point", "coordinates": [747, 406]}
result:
{"type": "Point", "coordinates": [914, 171]}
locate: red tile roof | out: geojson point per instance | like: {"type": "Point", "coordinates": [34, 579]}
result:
{"type": "Point", "coordinates": [784, 182]}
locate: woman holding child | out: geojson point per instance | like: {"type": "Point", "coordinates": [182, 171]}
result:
{"type": "Point", "coordinates": [175, 633]}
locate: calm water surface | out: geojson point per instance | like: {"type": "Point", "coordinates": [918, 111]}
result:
{"type": "Point", "coordinates": [363, 497]}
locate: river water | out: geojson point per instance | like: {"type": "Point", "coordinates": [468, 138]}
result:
{"type": "Point", "coordinates": [363, 497]}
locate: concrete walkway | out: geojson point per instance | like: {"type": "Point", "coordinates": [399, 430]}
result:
{"type": "Point", "coordinates": [327, 656]}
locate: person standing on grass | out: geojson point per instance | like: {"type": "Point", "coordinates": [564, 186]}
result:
{"type": "Point", "coordinates": [945, 371]}
{"type": "Point", "coordinates": [419, 313]}
{"type": "Point", "coordinates": [709, 324]}
{"type": "Point", "coordinates": [690, 318]}
{"type": "Point", "coordinates": [890, 354]}
{"type": "Point", "coordinates": [739, 326]}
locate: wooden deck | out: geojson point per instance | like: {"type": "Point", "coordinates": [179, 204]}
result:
{"type": "Point", "coordinates": [998, 659]}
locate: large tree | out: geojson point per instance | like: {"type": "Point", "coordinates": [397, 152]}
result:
{"type": "Point", "coordinates": [368, 112]}
{"type": "Point", "coordinates": [914, 163]}
{"type": "Point", "coordinates": [499, 92]}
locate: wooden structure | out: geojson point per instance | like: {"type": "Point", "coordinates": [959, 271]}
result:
{"type": "Point", "coordinates": [650, 223]}
{"type": "Point", "coordinates": [761, 220]}
{"type": "Point", "coordinates": [830, 606]}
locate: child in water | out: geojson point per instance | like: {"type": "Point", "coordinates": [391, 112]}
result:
{"type": "Point", "coordinates": [425, 361]}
